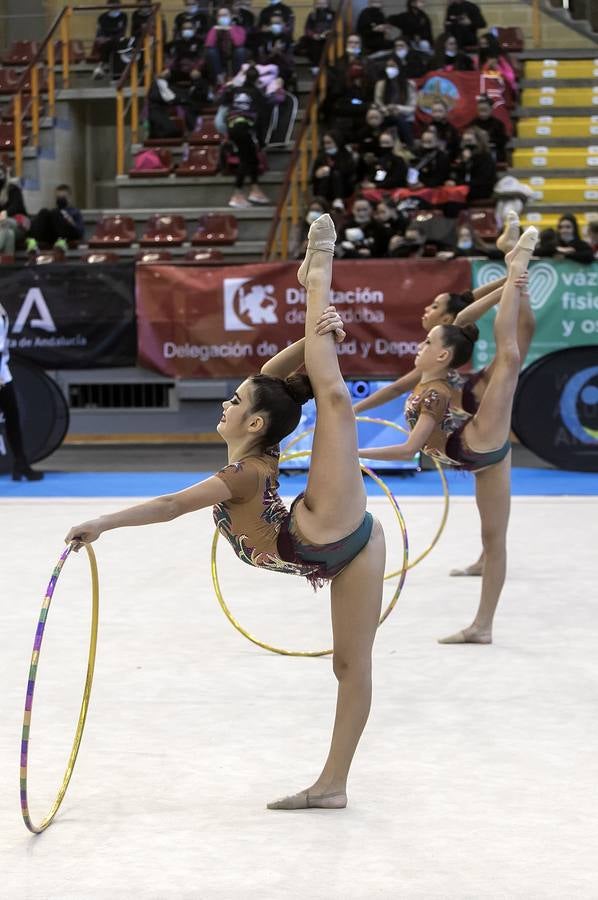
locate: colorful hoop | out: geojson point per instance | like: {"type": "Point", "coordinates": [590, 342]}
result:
{"type": "Point", "coordinates": [439, 469]}
{"type": "Point", "coordinates": [393, 601]}
{"type": "Point", "coordinates": [39, 634]}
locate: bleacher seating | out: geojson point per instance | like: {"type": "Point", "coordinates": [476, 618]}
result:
{"type": "Point", "coordinates": [200, 161]}
{"type": "Point", "coordinates": [482, 221]}
{"type": "Point", "coordinates": [164, 230]}
{"type": "Point", "coordinates": [113, 231]}
{"type": "Point", "coordinates": [21, 53]}
{"type": "Point", "coordinates": [215, 229]}
{"type": "Point", "coordinates": [166, 159]}
{"type": "Point", "coordinates": [147, 257]}
{"type": "Point", "coordinates": [100, 257]}
{"type": "Point", "coordinates": [204, 256]}
{"type": "Point", "coordinates": [207, 134]}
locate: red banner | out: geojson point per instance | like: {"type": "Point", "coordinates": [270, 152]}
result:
{"type": "Point", "coordinates": [194, 322]}
{"type": "Point", "coordinates": [459, 91]}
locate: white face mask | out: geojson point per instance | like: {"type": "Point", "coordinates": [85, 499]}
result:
{"type": "Point", "coordinates": [114, 13]}
{"type": "Point", "coordinates": [392, 72]}
{"type": "Point", "coordinates": [353, 50]}
{"type": "Point", "coordinates": [312, 215]}
{"type": "Point", "coordinates": [224, 20]}
{"type": "Point", "coordinates": [401, 53]}
{"type": "Point", "coordinates": [465, 244]}
{"type": "Point", "coordinates": [276, 27]}
{"type": "Point", "coordinates": [188, 33]}
{"type": "Point", "coordinates": [355, 235]}
{"type": "Point", "coordinates": [450, 53]}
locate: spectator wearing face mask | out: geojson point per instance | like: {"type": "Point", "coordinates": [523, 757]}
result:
{"type": "Point", "coordinates": [160, 100]}
{"type": "Point", "coordinates": [492, 59]}
{"type": "Point", "coordinates": [141, 21]}
{"type": "Point", "coordinates": [469, 244]}
{"type": "Point", "coordinates": [366, 139]}
{"type": "Point", "coordinates": [463, 19]}
{"type": "Point", "coordinates": [390, 220]}
{"type": "Point", "coordinates": [193, 13]}
{"type": "Point", "coordinates": [592, 235]}
{"type": "Point", "coordinates": [14, 222]}
{"type": "Point", "coordinates": [276, 9]}
{"type": "Point", "coordinates": [346, 104]}
{"type": "Point", "coordinates": [565, 243]}
{"type": "Point", "coordinates": [316, 208]}
{"type": "Point", "coordinates": [62, 223]}
{"type": "Point", "coordinates": [185, 53]}
{"type": "Point", "coordinates": [449, 138]}
{"type": "Point", "coordinates": [244, 16]}
{"type": "Point", "coordinates": [449, 57]}
{"type": "Point", "coordinates": [411, 63]}
{"type": "Point", "coordinates": [225, 47]}
{"type": "Point", "coordinates": [396, 96]}
{"type": "Point", "coordinates": [430, 166]}
{"type": "Point", "coordinates": [383, 168]}
{"type": "Point", "coordinates": [246, 121]}
{"type": "Point", "coordinates": [333, 172]}
{"type": "Point", "coordinates": [475, 166]}
{"type": "Point", "coordinates": [272, 37]}
{"type": "Point", "coordinates": [408, 246]}
{"type": "Point", "coordinates": [361, 237]}
{"type": "Point", "coordinates": [110, 38]}
{"type": "Point", "coordinates": [318, 26]}
{"type": "Point", "coordinates": [375, 32]}
{"type": "Point", "coordinates": [493, 127]}
{"type": "Point", "coordinates": [414, 23]}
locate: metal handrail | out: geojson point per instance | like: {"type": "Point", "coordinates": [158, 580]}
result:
{"type": "Point", "coordinates": [306, 144]}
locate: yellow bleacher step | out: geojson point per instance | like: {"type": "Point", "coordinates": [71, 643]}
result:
{"type": "Point", "coordinates": [560, 96]}
{"type": "Point", "coordinates": [550, 220]}
{"type": "Point", "coordinates": [555, 157]}
{"type": "Point", "coordinates": [563, 190]}
{"type": "Point", "coordinates": [561, 68]}
{"type": "Point", "coordinates": [555, 126]}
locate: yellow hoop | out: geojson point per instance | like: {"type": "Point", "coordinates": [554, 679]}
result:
{"type": "Point", "coordinates": [445, 490]}
{"type": "Point", "coordinates": [401, 572]}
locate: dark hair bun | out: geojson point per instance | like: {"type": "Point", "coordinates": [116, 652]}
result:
{"type": "Point", "coordinates": [299, 387]}
{"type": "Point", "coordinates": [471, 332]}
{"type": "Point", "coordinates": [467, 297]}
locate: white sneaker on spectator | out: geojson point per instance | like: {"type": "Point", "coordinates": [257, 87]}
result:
{"type": "Point", "coordinates": [239, 201]}
{"type": "Point", "coordinates": [256, 195]}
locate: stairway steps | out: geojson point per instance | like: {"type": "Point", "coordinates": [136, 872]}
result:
{"type": "Point", "coordinates": [541, 126]}
{"type": "Point", "coordinates": [562, 190]}
{"type": "Point", "coordinates": [561, 68]}
{"type": "Point", "coordinates": [550, 219]}
{"type": "Point", "coordinates": [560, 97]}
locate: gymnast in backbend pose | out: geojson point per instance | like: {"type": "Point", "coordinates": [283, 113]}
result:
{"type": "Point", "coordinates": [465, 309]}
{"type": "Point", "coordinates": [479, 443]}
{"type": "Point", "coordinates": [327, 535]}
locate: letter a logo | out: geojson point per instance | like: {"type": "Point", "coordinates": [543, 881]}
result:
{"type": "Point", "coordinates": [34, 298]}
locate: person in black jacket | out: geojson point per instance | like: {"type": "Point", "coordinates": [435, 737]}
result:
{"type": "Point", "coordinates": [384, 169]}
{"type": "Point", "coordinates": [411, 63]}
{"type": "Point", "coordinates": [160, 99]}
{"type": "Point", "coordinates": [361, 237]}
{"type": "Point", "coordinates": [246, 121]}
{"type": "Point", "coordinates": [333, 172]}
{"type": "Point", "coordinates": [565, 243]}
{"type": "Point", "coordinates": [276, 9]}
{"type": "Point", "coordinates": [449, 138]}
{"type": "Point", "coordinates": [371, 27]}
{"type": "Point", "coordinates": [185, 52]}
{"type": "Point", "coordinates": [199, 18]}
{"type": "Point", "coordinates": [414, 22]}
{"type": "Point", "coordinates": [475, 165]}
{"type": "Point", "coordinates": [494, 128]}
{"type": "Point", "coordinates": [463, 19]}
{"type": "Point", "coordinates": [448, 56]}
{"type": "Point", "coordinates": [318, 25]}
{"type": "Point", "coordinates": [110, 38]}
{"type": "Point", "coordinates": [14, 221]}
{"type": "Point", "coordinates": [430, 168]}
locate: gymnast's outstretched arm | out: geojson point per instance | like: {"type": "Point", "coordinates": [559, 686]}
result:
{"type": "Point", "coordinates": [292, 357]}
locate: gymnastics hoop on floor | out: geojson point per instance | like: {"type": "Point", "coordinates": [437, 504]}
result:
{"type": "Point", "coordinates": [439, 469]}
{"type": "Point", "coordinates": [39, 634]}
{"type": "Point", "coordinates": [393, 601]}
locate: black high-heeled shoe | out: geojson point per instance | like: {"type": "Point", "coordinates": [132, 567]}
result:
{"type": "Point", "coordinates": [23, 470]}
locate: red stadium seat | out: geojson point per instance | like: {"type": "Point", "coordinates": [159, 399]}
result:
{"type": "Point", "coordinates": [511, 38]}
{"type": "Point", "coordinates": [166, 168]}
{"type": "Point", "coordinates": [153, 256]}
{"type": "Point", "coordinates": [201, 161]}
{"type": "Point", "coordinates": [21, 53]}
{"type": "Point", "coordinates": [204, 256]}
{"type": "Point", "coordinates": [114, 231]}
{"type": "Point", "coordinates": [7, 135]}
{"type": "Point", "coordinates": [9, 78]}
{"type": "Point", "coordinates": [164, 230]}
{"type": "Point", "coordinates": [101, 257]}
{"type": "Point", "coordinates": [215, 229]}
{"type": "Point", "coordinates": [482, 221]}
{"type": "Point", "coordinates": [207, 134]}
{"type": "Point", "coordinates": [76, 52]}
{"type": "Point", "coordinates": [44, 258]}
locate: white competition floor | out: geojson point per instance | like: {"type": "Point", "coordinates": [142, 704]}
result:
{"type": "Point", "coordinates": [476, 778]}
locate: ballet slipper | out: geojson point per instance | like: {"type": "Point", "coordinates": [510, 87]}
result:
{"type": "Point", "coordinates": [469, 572]}
{"type": "Point", "coordinates": [321, 236]}
{"type": "Point", "coordinates": [305, 800]}
{"type": "Point", "coordinates": [518, 258]}
{"type": "Point", "coordinates": [467, 636]}
{"type": "Point", "coordinates": [510, 232]}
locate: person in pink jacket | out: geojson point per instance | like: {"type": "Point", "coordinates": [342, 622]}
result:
{"type": "Point", "coordinates": [225, 47]}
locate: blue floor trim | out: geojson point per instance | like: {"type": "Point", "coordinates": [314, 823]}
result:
{"type": "Point", "coordinates": [525, 482]}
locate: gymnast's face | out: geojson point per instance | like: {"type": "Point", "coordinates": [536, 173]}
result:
{"type": "Point", "coordinates": [435, 313]}
{"type": "Point", "coordinates": [238, 421]}
{"type": "Point", "coordinates": [431, 353]}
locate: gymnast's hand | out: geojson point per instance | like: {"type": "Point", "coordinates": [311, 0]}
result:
{"type": "Point", "coordinates": [330, 321]}
{"type": "Point", "coordinates": [85, 533]}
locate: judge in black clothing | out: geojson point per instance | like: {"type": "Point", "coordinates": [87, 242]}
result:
{"type": "Point", "coordinates": [414, 22]}
{"type": "Point", "coordinates": [276, 9]}
{"type": "Point", "coordinates": [565, 243]}
{"type": "Point", "coordinates": [463, 19]}
{"type": "Point", "coordinates": [449, 138]}
{"type": "Point", "coordinates": [431, 163]}
{"type": "Point", "coordinates": [110, 38]}
{"type": "Point", "coordinates": [494, 128]}
{"type": "Point", "coordinates": [382, 167]}
{"type": "Point", "coordinates": [333, 172]}
{"type": "Point", "coordinates": [475, 166]}
{"type": "Point", "coordinates": [193, 12]}
{"type": "Point", "coordinates": [449, 57]}
{"type": "Point", "coordinates": [371, 27]}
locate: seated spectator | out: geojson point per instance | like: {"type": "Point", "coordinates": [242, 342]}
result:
{"type": "Point", "coordinates": [430, 167]}
{"type": "Point", "coordinates": [449, 138]}
{"type": "Point", "coordinates": [383, 168]}
{"type": "Point", "coordinates": [475, 166]}
{"type": "Point", "coordinates": [194, 12]}
{"type": "Point", "coordinates": [412, 63]}
{"type": "Point", "coordinates": [316, 208]}
{"type": "Point", "coordinates": [409, 245]}
{"type": "Point", "coordinates": [494, 128]}
{"type": "Point", "coordinates": [414, 24]}
{"type": "Point", "coordinates": [463, 19]}
{"type": "Point", "coordinates": [110, 38]}
{"type": "Point", "coordinates": [63, 222]}
{"type": "Point", "coordinates": [390, 219]}
{"type": "Point", "coordinates": [224, 47]}
{"type": "Point", "coordinates": [243, 15]}
{"type": "Point", "coordinates": [247, 118]}
{"type": "Point", "coordinates": [373, 28]}
{"type": "Point", "coordinates": [14, 222]}
{"type": "Point", "coordinates": [160, 100]}
{"type": "Point", "coordinates": [318, 26]}
{"type": "Point", "coordinates": [273, 35]}
{"type": "Point", "coordinates": [347, 99]}
{"type": "Point", "coordinates": [281, 57]}
{"type": "Point", "coordinates": [185, 52]}
{"type": "Point", "coordinates": [140, 21]}
{"type": "Point", "coordinates": [592, 235]}
{"type": "Point", "coordinates": [396, 96]}
{"type": "Point", "coordinates": [492, 60]}
{"type": "Point", "coordinates": [449, 57]}
{"type": "Point", "coordinates": [194, 98]}
{"type": "Point", "coordinates": [333, 171]}
{"type": "Point", "coordinates": [565, 242]}
{"type": "Point", "coordinates": [361, 237]}
{"type": "Point", "coordinates": [366, 139]}
{"type": "Point", "coordinates": [470, 244]}
{"type": "Point", "coordinates": [277, 9]}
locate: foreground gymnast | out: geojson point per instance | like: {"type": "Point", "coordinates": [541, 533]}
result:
{"type": "Point", "coordinates": [479, 443]}
{"type": "Point", "coordinates": [327, 535]}
{"type": "Point", "coordinates": [465, 309]}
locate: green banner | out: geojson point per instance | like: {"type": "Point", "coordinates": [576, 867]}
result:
{"type": "Point", "coordinates": [564, 298]}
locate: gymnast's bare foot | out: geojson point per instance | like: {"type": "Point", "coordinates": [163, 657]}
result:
{"type": "Point", "coordinates": [510, 232]}
{"type": "Point", "coordinates": [312, 798]}
{"type": "Point", "coordinates": [476, 568]}
{"type": "Point", "coordinates": [471, 635]}
{"type": "Point", "coordinates": [321, 236]}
